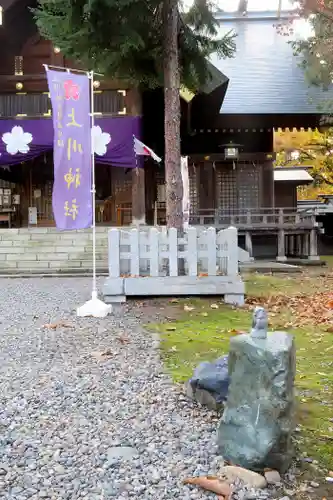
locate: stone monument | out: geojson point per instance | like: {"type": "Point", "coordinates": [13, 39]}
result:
{"type": "Point", "coordinates": [257, 424]}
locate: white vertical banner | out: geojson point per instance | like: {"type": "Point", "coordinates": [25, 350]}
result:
{"type": "Point", "coordinates": [186, 191]}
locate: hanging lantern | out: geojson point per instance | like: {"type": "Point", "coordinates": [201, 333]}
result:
{"type": "Point", "coordinates": [231, 151]}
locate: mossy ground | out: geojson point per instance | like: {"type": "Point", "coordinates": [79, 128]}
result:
{"type": "Point", "coordinates": [203, 329]}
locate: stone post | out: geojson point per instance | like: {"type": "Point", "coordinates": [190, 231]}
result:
{"type": "Point", "coordinates": [314, 245]}
{"type": "Point", "coordinates": [248, 243]}
{"type": "Point", "coordinates": [256, 428]}
{"type": "Point", "coordinates": [281, 256]}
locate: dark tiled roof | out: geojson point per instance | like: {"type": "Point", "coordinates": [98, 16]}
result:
{"type": "Point", "coordinates": [264, 76]}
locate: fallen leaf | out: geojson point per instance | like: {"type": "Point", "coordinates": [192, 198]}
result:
{"type": "Point", "coordinates": [214, 306]}
{"type": "Point", "coordinates": [188, 308]}
{"type": "Point", "coordinates": [107, 352]}
{"type": "Point", "coordinates": [54, 326]}
{"type": "Point", "coordinates": [102, 355]}
{"type": "Point", "coordinates": [170, 328]}
{"type": "Point", "coordinates": [204, 314]}
{"type": "Point", "coordinates": [123, 339]}
{"type": "Point", "coordinates": [311, 309]}
{"type": "Point", "coordinates": [210, 483]}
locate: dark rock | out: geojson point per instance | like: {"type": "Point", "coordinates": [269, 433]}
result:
{"type": "Point", "coordinates": [209, 384]}
{"type": "Point", "coordinates": [258, 420]}
{"type": "Point", "coordinates": [3, 469]}
{"type": "Point", "coordinates": [202, 397]}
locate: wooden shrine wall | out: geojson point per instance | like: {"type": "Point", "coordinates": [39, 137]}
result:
{"type": "Point", "coordinates": [23, 85]}
{"type": "Point", "coordinates": [230, 186]}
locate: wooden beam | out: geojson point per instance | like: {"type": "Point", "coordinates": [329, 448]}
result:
{"type": "Point", "coordinates": [220, 157]}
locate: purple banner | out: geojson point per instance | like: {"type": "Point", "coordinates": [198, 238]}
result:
{"type": "Point", "coordinates": [72, 198]}
{"type": "Point", "coordinates": [22, 140]}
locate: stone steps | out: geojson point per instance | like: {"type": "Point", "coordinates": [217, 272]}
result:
{"type": "Point", "coordinates": [56, 265]}
{"type": "Point", "coordinates": [48, 250]}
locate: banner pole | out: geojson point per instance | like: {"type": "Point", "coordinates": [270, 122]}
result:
{"type": "Point", "coordinates": [93, 187]}
{"type": "Point", "coordinates": [70, 70]}
{"type": "Point", "coordinates": [94, 307]}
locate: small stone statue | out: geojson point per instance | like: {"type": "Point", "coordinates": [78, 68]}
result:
{"type": "Point", "coordinates": [259, 324]}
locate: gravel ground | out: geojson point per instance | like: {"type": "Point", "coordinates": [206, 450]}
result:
{"type": "Point", "coordinates": [64, 413]}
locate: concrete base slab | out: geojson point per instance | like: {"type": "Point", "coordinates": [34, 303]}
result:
{"type": "Point", "coordinates": [114, 299]}
{"type": "Point", "coordinates": [183, 285]}
{"type": "Point", "coordinates": [167, 286]}
{"type": "Point", "coordinates": [260, 266]}
{"type": "Point", "coordinates": [306, 262]}
{"type": "Point", "coordinates": [114, 286]}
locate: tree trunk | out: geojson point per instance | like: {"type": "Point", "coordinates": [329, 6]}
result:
{"type": "Point", "coordinates": [134, 103]}
{"type": "Point", "coordinates": [173, 178]}
{"type": "Point", "coordinates": [242, 6]}
{"type": "Point", "coordinates": [279, 9]}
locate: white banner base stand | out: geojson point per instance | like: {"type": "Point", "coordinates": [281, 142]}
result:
{"type": "Point", "coordinates": [94, 308]}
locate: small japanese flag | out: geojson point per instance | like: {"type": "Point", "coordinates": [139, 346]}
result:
{"type": "Point", "coordinates": [141, 149]}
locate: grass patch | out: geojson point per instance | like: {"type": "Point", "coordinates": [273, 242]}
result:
{"type": "Point", "coordinates": [328, 259]}
{"type": "Point", "coordinates": [203, 331]}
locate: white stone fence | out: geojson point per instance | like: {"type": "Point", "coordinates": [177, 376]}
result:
{"type": "Point", "coordinates": [154, 263]}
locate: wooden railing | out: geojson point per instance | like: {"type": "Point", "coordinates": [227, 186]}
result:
{"type": "Point", "coordinates": [245, 220]}
{"type": "Point", "coordinates": [261, 218]}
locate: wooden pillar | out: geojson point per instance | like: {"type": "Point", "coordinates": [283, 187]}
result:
{"type": "Point", "coordinates": [267, 198]}
{"type": "Point", "coordinates": [134, 106]}
{"type": "Point", "coordinates": [291, 246]}
{"type": "Point", "coordinates": [313, 245]}
{"type": "Point", "coordinates": [299, 246]}
{"type": "Point", "coordinates": [248, 243]}
{"type": "Point", "coordinates": [306, 249]}
{"type": "Point", "coordinates": [281, 256]}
